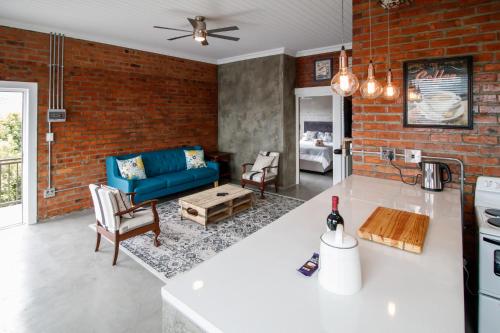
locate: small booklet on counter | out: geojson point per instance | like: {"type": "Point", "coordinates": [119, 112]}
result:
{"type": "Point", "coordinates": [310, 266]}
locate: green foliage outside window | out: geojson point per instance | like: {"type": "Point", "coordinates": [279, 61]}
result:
{"type": "Point", "coordinates": [10, 148]}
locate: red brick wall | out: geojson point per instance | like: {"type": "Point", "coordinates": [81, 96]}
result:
{"type": "Point", "coordinates": [118, 101]}
{"type": "Point", "coordinates": [305, 69]}
{"type": "Point", "coordinates": [428, 29]}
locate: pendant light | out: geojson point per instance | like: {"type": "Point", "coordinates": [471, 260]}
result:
{"type": "Point", "coordinates": [371, 88]}
{"type": "Point", "coordinates": [391, 91]}
{"type": "Point", "coordinates": [344, 83]}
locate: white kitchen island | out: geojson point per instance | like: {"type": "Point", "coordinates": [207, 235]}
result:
{"type": "Point", "coordinates": [254, 286]}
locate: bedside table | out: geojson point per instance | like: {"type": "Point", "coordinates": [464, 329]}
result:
{"type": "Point", "coordinates": [223, 159]}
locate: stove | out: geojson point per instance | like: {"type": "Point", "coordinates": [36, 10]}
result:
{"type": "Point", "coordinates": [487, 206]}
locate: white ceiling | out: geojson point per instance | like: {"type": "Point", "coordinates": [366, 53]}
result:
{"type": "Point", "coordinates": [294, 25]}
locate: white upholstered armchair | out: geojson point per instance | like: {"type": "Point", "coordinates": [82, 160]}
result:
{"type": "Point", "coordinates": [119, 224]}
{"type": "Point", "coordinates": [264, 171]}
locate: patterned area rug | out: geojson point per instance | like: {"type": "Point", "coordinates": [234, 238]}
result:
{"type": "Point", "coordinates": [184, 243]}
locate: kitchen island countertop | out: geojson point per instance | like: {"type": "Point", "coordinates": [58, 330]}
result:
{"type": "Point", "coordinates": [254, 286]}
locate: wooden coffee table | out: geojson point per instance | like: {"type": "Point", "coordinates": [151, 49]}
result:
{"type": "Point", "coordinates": [206, 207]}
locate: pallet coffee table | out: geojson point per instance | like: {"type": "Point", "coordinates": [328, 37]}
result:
{"type": "Point", "coordinates": [206, 206]}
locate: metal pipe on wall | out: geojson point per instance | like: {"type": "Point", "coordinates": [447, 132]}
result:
{"type": "Point", "coordinates": [62, 72]}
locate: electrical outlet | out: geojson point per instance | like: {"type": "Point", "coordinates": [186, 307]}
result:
{"type": "Point", "coordinates": [49, 192]}
{"type": "Point", "coordinates": [386, 152]}
{"type": "Point", "coordinates": [413, 156]}
{"type": "Point", "coordinates": [49, 137]}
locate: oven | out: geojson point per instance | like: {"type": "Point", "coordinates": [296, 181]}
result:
{"type": "Point", "coordinates": [489, 283]}
{"type": "Point", "coordinates": [489, 265]}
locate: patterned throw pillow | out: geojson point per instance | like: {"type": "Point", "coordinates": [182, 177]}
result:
{"type": "Point", "coordinates": [195, 159]}
{"type": "Point", "coordinates": [132, 168]}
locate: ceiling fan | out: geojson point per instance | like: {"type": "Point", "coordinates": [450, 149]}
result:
{"type": "Point", "coordinates": [200, 32]}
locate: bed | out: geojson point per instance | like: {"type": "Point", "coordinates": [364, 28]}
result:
{"type": "Point", "coordinates": [312, 157]}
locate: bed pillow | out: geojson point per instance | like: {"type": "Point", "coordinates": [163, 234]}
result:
{"type": "Point", "coordinates": [133, 168]}
{"type": "Point", "coordinates": [320, 135]}
{"type": "Point", "coordinates": [261, 162]}
{"type": "Point", "coordinates": [195, 159]}
{"type": "Point", "coordinates": [327, 137]}
{"type": "Point", "coordinates": [310, 135]}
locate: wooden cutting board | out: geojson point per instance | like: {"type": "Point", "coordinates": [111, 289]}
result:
{"type": "Point", "coordinates": [396, 228]}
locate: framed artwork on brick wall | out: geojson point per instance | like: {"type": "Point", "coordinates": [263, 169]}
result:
{"type": "Point", "coordinates": [323, 69]}
{"type": "Point", "coordinates": [438, 93]}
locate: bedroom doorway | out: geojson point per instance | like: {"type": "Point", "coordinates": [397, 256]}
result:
{"type": "Point", "coordinates": [315, 144]}
{"type": "Point", "coordinates": [320, 130]}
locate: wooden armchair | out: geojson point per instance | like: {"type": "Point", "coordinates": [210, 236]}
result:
{"type": "Point", "coordinates": [110, 221]}
{"type": "Point", "coordinates": [263, 177]}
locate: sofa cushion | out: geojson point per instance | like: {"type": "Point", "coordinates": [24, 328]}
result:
{"type": "Point", "coordinates": [151, 184]}
{"type": "Point", "coordinates": [178, 178]}
{"type": "Point", "coordinates": [201, 173]}
{"type": "Point", "coordinates": [164, 161]}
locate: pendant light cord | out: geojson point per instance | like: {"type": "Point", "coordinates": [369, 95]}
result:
{"type": "Point", "coordinates": [370, 19]}
{"type": "Point", "coordinates": [342, 20]}
{"type": "Point", "coordinates": [388, 37]}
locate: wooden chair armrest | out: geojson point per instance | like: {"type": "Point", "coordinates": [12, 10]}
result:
{"type": "Point", "coordinates": [270, 167]}
{"type": "Point", "coordinates": [151, 203]}
{"type": "Point", "coordinates": [244, 167]}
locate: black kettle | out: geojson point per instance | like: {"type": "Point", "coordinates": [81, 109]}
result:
{"type": "Point", "coordinates": [433, 175]}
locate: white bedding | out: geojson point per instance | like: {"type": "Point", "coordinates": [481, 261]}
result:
{"type": "Point", "coordinates": [310, 152]}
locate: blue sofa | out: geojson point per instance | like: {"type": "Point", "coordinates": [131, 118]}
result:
{"type": "Point", "coordinates": [166, 174]}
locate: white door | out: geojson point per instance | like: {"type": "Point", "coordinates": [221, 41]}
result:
{"type": "Point", "coordinates": [339, 165]}
{"type": "Point", "coordinates": [18, 153]}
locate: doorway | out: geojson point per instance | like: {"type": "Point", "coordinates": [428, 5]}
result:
{"type": "Point", "coordinates": [18, 113]}
{"type": "Point", "coordinates": [320, 130]}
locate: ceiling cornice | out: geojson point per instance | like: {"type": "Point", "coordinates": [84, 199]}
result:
{"type": "Point", "coordinates": [99, 39]}
{"type": "Point", "coordinates": [253, 55]}
{"type": "Point", "coordinates": [325, 49]}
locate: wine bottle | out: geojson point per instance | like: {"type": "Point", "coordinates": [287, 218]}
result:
{"type": "Point", "coordinates": [334, 218]}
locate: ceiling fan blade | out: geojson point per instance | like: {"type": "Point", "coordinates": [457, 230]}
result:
{"type": "Point", "coordinates": [174, 38]}
{"type": "Point", "coordinates": [232, 28]}
{"type": "Point", "coordinates": [193, 22]}
{"type": "Point", "coordinates": [204, 43]}
{"type": "Point", "coordinates": [158, 27]}
{"type": "Point", "coordinates": [223, 37]}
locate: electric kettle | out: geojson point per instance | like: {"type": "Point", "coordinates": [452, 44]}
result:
{"type": "Point", "coordinates": [432, 175]}
{"type": "Point", "coordinates": [339, 263]}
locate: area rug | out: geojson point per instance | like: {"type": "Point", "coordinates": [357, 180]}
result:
{"type": "Point", "coordinates": [185, 244]}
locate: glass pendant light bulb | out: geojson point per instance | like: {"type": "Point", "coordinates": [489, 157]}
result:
{"type": "Point", "coordinates": [391, 92]}
{"type": "Point", "coordinates": [371, 88]}
{"type": "Point", "coordinates": [344, 83]}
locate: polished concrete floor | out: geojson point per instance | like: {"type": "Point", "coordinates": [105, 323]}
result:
{"type": "Point", "coordinates": [51, 280]}
{"type": "Point", "coordinates": [311, 184]}
{"type": "Point", "coordinates": [11, 215]}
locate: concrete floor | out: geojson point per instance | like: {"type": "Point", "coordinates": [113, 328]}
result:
{"type": "Point", "coordinates": [311, 184]}
{"type": "Point", "coordinates": [52, 280]}
{"type": "Point", "coordinates": [11, 215]}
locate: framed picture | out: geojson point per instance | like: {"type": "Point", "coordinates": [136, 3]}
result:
{"type": "Point", "coordinates": [438, 93]}
{"type": "Point", "coordinates": [323, 69]}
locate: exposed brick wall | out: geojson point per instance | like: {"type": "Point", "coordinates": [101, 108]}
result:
{"type": "Point", "coordinates": [429, 29]}
{"type": "Point", "coordinates": [305, 69]}
{"type": "Point", "coordinates": [118, 101]}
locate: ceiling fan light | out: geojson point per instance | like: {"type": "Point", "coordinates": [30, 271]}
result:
{"type": "Point", "coordinates": [200, 35]}
{"type": "Point", "coordinates": [371, 88]}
